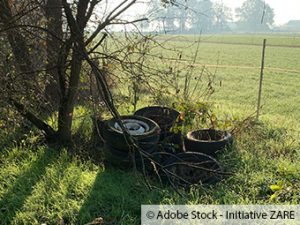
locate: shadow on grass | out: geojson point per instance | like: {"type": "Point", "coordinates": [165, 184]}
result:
{"type": "Point", "coordinates": [15, 197]}
{"type": "Point", "coordinates": [8, 139]}
{"type": "Point", "coordinates": [116, 196]}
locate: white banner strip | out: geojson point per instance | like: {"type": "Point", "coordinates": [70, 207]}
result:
{"type": "Point", "coordinates": [220, 214]}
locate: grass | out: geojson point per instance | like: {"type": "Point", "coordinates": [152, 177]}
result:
{"type": "Point", "coordinates": [40, 184]}
{"type": "Point", "coordinates": [44, 185]}
{"type": "Point", "coordinates": [275, 39]}
{"type": "Point", "coordinates": [236, 71]}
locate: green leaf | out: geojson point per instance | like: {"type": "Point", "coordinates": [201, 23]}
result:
{"type": "Point", "coordinates": [273, 196]}
{"type": "Point", "coordinates": [275, 187]}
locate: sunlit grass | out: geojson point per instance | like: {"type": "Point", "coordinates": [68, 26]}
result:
{"type": "Point", "coordinates": [43, 185]}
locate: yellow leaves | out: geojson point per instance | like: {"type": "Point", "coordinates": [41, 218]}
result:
{"type": "Point", "coordinates": [181, 117]}
{"type": "Point", "coordinates": [275, 187]}
{"type": "Point", "coordinates": [227, 124]}
{"type": "Point", "coordinates": [110, 66]}
{"type": "Point", "coordinates": [213, 117]}
{"type": "Point", "coordinates": [273, 196]}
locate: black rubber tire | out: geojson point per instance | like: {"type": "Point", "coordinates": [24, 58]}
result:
{"type": "Point", "coordinates": [210, 147]}
{"type": "Point", "coordinates": [160, 115]}
{"type": "Point", "coordinates": [165, 118]}
{"type": "Point", "coordinates": [121, 159]}
{"type": "Point", "coordinates": [98, 125]}
{"type": "Point", "coordinates": [201, 169]}
{"type": "Point", "coordinates": [116, 139]}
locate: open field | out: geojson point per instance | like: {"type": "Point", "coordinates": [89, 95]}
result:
{"type": "Point", "coordinates": [40, 184]}
{"type": "Point", "coordinates": [237, 70]}
{"type": "Point", "coordinates": [284, 40]}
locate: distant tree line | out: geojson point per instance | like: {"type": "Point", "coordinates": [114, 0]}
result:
{"type": "Point", "coordinates": [205, 16]}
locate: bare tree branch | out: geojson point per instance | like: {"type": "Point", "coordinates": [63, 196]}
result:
{"type": "Point", "coordinates": [110, 18]}
{"type": "Point", "coordinates": [91, 10]}
{"type": "Point", "coordinates": [32, 118]}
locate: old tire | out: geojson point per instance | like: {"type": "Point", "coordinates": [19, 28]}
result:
{"type": "Point", "coordinates": [193, 168]}
{"type": "Point", "coordinates": [143, 130]}
{"type": "Point", "coordinates": [207, 141]}
{"type": "Point", "coordinates": [165, 118]}
{"type": "Point", "coordinates": [123, 160]}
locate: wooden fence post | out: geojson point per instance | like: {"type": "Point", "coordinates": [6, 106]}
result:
{"type": "Point", "coordinates": [261, 78]}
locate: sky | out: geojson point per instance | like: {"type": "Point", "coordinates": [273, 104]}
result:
{"type": "Point", "coordinates": [284, 10]}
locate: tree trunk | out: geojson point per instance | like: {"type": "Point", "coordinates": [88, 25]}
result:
{"type": "Point", "coordinates": [53, 13]}
{"type": "Point", "coordinates": [65, 115]}
{"type": "Point", "coordinates": [17, 42]}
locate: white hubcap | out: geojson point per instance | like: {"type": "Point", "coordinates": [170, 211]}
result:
{"type": "Point", "coordinates": [134, 127]}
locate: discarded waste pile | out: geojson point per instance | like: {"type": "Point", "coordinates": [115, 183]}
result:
{"type": "Point", "coordinates": [180, 159]}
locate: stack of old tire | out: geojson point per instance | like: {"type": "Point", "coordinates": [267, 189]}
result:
{"type": "Point", "coordinates": [199, 150]}
{"type": "Point", "coordinates": [144, 132]}
{"type": "Point", "coordinates": [150, 127]}
{"type": "Point", "coordinates": [209, 143]}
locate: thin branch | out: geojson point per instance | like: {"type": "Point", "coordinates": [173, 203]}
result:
{"type": "Point", "coordinates": [123, 22]}
{"type": "Point", "coordinates": [33, 119]}
{"type": "Point", "coordinates": [70, 18]}
{"type": "Point", "coordinates": [91, 10]}
{"type": "Point", "coordinates": [109, 18]}
{"type": "Point", "coordinates": [99, 43]}
{"type": "Point", "coordinates": [81, 10]}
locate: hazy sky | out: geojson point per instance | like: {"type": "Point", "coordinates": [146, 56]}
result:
{"type": "Point", "coordinates": [284, 10]}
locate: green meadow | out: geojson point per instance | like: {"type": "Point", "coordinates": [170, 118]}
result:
{"type": "Point", "coordinates": [235, 62]}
